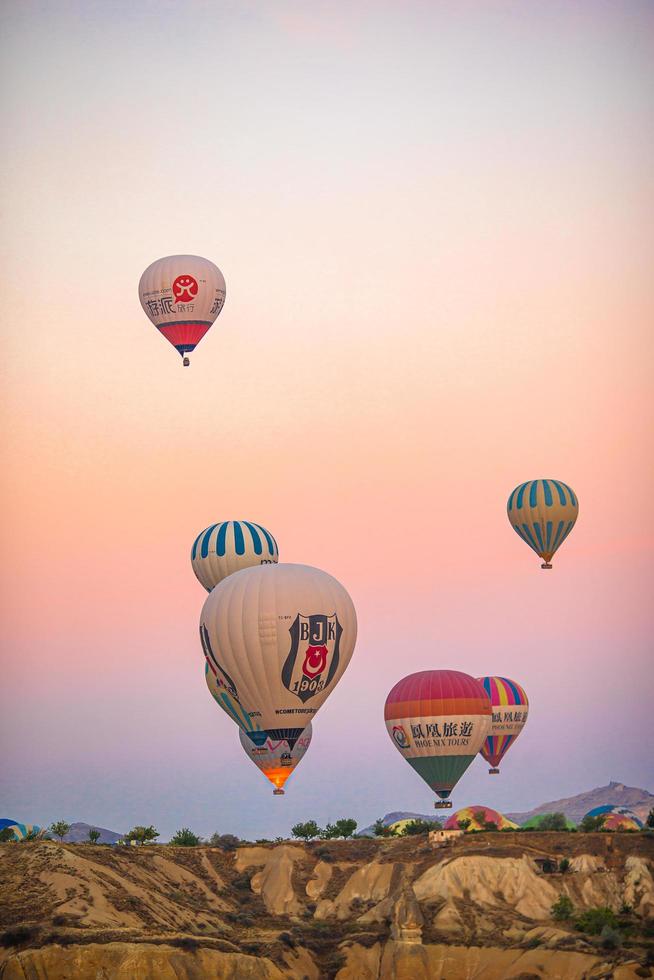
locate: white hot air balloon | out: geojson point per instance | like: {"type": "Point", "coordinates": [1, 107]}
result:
{"type": "Point", "coordinates": [182, 295]}
{"type": "Point", "coordinates": [227, 547]}
{"type": "Point", "coordinates": [279, 638]}
{"type": "Point", "coordinates": [275, 758]}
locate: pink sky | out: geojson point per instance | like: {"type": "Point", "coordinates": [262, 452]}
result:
{"type": "Point", "coordinates": [435, 224]}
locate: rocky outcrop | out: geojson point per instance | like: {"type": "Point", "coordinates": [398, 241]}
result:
{"type": "Point", "coordinates": [489, 882]}
{"type": "Point", "coordinates": [407, 919]}
{"type": "Point", "coordinates": [275, 881]}
{"type": "Point", "coordinates": [136, 961]}
{"type": "Point", "coordinates": [370, 883]}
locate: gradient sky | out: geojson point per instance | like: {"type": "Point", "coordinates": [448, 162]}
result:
{"type": "Point", "coordinates": [435, 221]}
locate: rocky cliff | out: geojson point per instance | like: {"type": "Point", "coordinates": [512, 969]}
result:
{"type": "Point", "coordinates": [364, 909]}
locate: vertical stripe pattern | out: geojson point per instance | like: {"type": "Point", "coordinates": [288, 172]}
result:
{"type": "Point", "coordinates": [510, 709]}
{"type": "Point", "coordinates": [224, 548]}
{"type": "Point", "coordinates": [543, 513]}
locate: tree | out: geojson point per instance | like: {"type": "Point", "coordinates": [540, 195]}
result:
{"type": "Point", "coordinates": [94, 835]}
{"type": "Point", "coordinates": [553, 821]}
{"type": "Point", "coordinates": [564, 865]}
{"type": "Point", "coordinates": [228, 842]}
{"type": "Point", "coordinates": [650, 818]}
{"type": "Point", "coordinates": [6, 835]}
{"type": "Point", "coordinates": [489, 825]}
{"type": "Point", "coordinates": [593, 921]}
{"type": "Point", "coordinates": [562, 908]}
{"type": "Point", "coordinates": [464, 823]}
{"type": "Point", "coordinates": [380, 829]}
{"type": "Point", "coordinates": [590, 824]}
{"type": "Point", "coordinates": [142, 835]}
{"type": "Point", "coordinates": [417, 827]}
{"type": "Point", "coordinates": [185, 838]}
{"type": "Point", "coordinates": [59, 828]}
{"type": "Point", "coordinates": [306, 831]}
{"type": "Point", "coordinates": [345, 827]}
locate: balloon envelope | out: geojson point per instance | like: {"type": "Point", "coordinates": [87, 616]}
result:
{"type": "Point", "coordinates": [438, 720]}
{"type": "Point", "coordinates": [277, 639]}
{"type": "Point", "coordinates": [479, 816]}
{"type": "Point", "coordinates": [182, 295]}
{"type": "Point", "coordinates": [542, 513]}
{"type": "Point", "coordinates": [275, 758]}
{"type": "Point", "coordinates": [225, 548]}
{"type": "Point", "coordinates": [510, 708]}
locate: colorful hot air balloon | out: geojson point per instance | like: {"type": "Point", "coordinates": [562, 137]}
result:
{"type": "Point", "coordinates": [438, 720]}
{"type": "Point", "coordinates": [478, 818]}
{"type": "Point", "coordinates": [182, 295]}
{"type": "Point", "coordinates": [616, 817]}
{"type": "Point", "coordinates": [225, 548]}
{"type": "Point", "coordinates": [278, 638]}
{"type": "Point", "coordinates": [275, 758]}
{"type": "Point", "coordinates": [510, 708]}
{"type": "Point", "coordinates": [223, 691]}
{"type": "Point", "coordinates": [543, 512]}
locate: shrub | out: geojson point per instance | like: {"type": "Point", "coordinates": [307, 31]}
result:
{"type": "Point", "coordinates": [345, 827]}
{"type": "Point", "coordinates": [610, 938]}
{"type": "Point", "coordinates": [592, 921]}
{"type": "Point", "coordinates": [591, 824]}
{"type": "Point", "coordinates": [650, 818]}
{"type": "Point", "coordinates": [417, 827]}
{"type": "Point", "coordinates": [490, 825]}
{"type": "Point", "coordinates": [625, 908]}
{"type": "Point", "coordinates": [185, 838]}
{"type": "Point", "coordinates": [564, 865]}
{"type": "Point", "coordinates": [228, 842]}
{"type": "Point", "coordinates": [18, 936]}
{"type": "Point", "coordinates": [94, 835]}
{"type": "Point", "coordinates": [381, 830]}
{"type": "Point", "coordinates": [142, 835]}
{"type": "Point", "coordinates": [562, 909]}
{"type": "Point", "coordinates": [553, 821]}
{"type": "Point", "coordinates": [6, 835]}
{"type": "Point", "coordinates": [464, 823]}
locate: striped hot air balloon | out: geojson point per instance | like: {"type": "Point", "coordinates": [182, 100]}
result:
{"type": "Point", "coordinates": [479, 818]}
{"type": "Point", "coordinates": [224, 548]}
{"type": "Point", "coordinates": [182, 295]}
{"type": "Point", "coordinates": [275, 758]}
{"type": "Point", "coordinates": [510, 708]}
{"type": "Point", "coordinates": [542, 513]}
{"type": "Point", "coordinates": [438, 720]}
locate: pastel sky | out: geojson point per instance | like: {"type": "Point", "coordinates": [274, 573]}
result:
{"type": "Point", "coordinates": [435, 224]}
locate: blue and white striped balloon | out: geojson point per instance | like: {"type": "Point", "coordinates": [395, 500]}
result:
{"type": "Point", "coordinates": [225, 548]}
{"type": "Point", "coordinates": [542, 513]}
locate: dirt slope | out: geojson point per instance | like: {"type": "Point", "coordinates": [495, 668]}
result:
{"type": "Point", "coordinates": [365, 908]}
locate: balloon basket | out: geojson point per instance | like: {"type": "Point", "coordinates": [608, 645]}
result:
{"type": "Point", "coordinates": [278, 792]}
{"type": "Point", "coordinates": [546, 564]}
{"type": "Point", "coordinates": [443, 805]}
{"type": "Point", "coordinates": [185, 361]}
{"type": "Point", "coordinates": [494, 772]}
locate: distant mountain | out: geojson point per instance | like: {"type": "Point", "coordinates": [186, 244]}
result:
{"type": "Point", "coordinates": [575, 807]}
{"type": "Point", "coordinates": [80, 832]}
{"type": "Point", "coordinates": [396, 815]}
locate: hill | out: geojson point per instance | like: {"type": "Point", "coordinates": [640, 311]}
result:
{"type": "Point", "coordinates": [79, 833]}
{"type": "Point", "coordinates": [575, 807]}
{"type": "Point", "coordinates": [349, 910]}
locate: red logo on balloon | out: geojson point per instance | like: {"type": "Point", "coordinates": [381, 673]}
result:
{"type": "Point", "coordinates": [185, 289]}
{"type": "Point", "coordinates": [315, 661]}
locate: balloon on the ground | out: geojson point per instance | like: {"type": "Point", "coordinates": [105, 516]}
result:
{"type": "Point", "coordinates": [227, 547]}
{"type": "Point", "coordinates": [510, 707]}
{"type": "Point", "coordinates": [275, 758]}
{"type": "Point", "coordinates": [438, 720]}
{"type": "Point", "coordinates": [542, 513]}
{"type": "Point", "coordinates": [470, 818]}
{"type": "Point", "coordinates": [614, 815]}
{"type": "Point", "coordinates": [277, 639]}
{"type": "Point", "coordinates": [23, 830]}
{"type": "Point", "coordinates": [182, 295]}
{"type": "Point", "coordinates": [534, 823]}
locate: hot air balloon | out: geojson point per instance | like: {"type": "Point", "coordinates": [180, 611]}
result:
{"type": "Point", "coordinates": [479, 818]}
{"type": "Point", "coordinates": [225, 548]}
{"type": "Point", "coordinates": [182, 295]}
{"type": "Point", "coordinates": [438, 720]}
{"type": "Point", "coordinates": [543, 512]}
{"type": "Point", "coordinates": [279, 638]}
{"type": "Point", "coordinates": [616, 817]}
{"type": "Point", "coordinates": [275, 758]}
{"type": "Point", "coordinates": [223, 691]}
{"type": "Point", "coordinates": [510, 708]}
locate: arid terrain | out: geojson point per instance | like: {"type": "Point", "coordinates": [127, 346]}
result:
{"type": "Point", "coordinates": [353, 910]}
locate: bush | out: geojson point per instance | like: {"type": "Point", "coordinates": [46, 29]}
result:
{"type": "Point", "coordinates": [18, 936]}
{"type": "Point", "coordinates": [59, 828]}
{"type": "Point", "coordinates": [564, 865]}
{"type": "Point", "coordinates": [142, 835]}
{"type": "Point", "coordinates": [417, 827]}
{"type": "Point", "coordinates": [590, 825]}
{"type": "Point", "coordinates": [610, 938]}
{"type": "Point", "coordinates": [94, 835]}
{"type": "Point", "coordinates": [490, 825]}
{"type": "Point", "coordinates": [381, 830]}
{"type": "Point", "coordinates": [650, 818]}
{"type": "Point", "coordinates": [464, 823]}
{"type": "Point", "coordinates": [185, 838]}
{"type": "Point", "coordinates": [6, 835]}
{"type": "Point", "coordinates": [228, 842]}
{"type": "Point", "coordinates": [562, 909]}
{"type": "Point", "coordinates": [593, 921]}
{"type": "Point", "coordinates": [553, 821]}
{"type": "Point", "coordinates": [345, 827]}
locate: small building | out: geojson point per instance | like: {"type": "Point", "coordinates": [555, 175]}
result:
{"type": "Point", "coordinates": [442, 838]}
